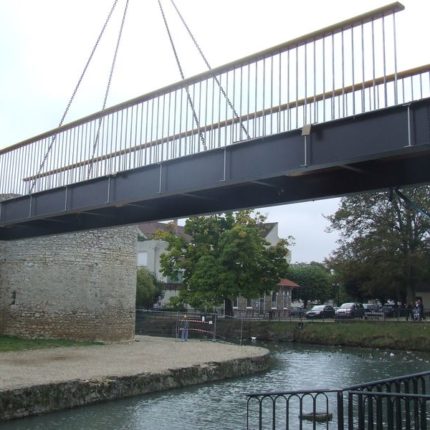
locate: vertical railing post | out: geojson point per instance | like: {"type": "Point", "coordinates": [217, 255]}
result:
{"type": "Point", "coordinates": [273, 413]}
{"type": "Point", "coordinates": [260, 414]}
{"type": "Point", "coordinates": [390, 411]}
{"type": "Point", "coordinates": [360, 412]}
{"type": "Point", "coordinates": [379, 414]}
{"type": "Point", "coordinates": [370, 413]}
{"type": "Point", "coordinates": [423, 415]}
{"type": "Point", "coordinates": [340, 417]}
{"type": "Point", "coordinates": [350, 412]}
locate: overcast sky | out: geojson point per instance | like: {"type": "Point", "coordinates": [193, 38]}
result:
{"type": "Point", "coordinates": [44, 45]}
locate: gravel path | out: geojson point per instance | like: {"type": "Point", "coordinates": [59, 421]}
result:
{"type": "Point", "coordinates": [146, 354]}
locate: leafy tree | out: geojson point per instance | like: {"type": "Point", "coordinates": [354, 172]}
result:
{"type": "Point", "coordinates": [148, 289]}
{"type": "Point", "coordinates": [384, 249]}
{"type": "Point", "coordinates": [315, 280]}
{"type": "Point", "coordinates": [225, 256]}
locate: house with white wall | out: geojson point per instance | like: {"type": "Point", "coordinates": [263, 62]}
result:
{"type": "Point", "coordinates": [149, 250]}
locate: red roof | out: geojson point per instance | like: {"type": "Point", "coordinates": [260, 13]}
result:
{"type": "Point", "coordinates": [150, 228]}
{"type": "Point", "coordinates": [287, 283]}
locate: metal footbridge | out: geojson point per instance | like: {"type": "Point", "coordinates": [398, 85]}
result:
{"type": "Point", "coordinates": [319, 116]}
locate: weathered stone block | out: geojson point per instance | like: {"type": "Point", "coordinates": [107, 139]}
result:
{"type": "Point", "coordinates": [77, 286]}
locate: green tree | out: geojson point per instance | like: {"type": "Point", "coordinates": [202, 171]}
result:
{"type": "Point", "coordinates": [315, 280]}
{"type": "Point", "coordinates": [384, 249]}
{"type": "Point", "coordinates": [226, 256]}
{"type": "Point", "coordinates": [148, 289]}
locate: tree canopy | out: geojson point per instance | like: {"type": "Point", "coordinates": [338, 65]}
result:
{"type": "Point", "coordinates": [224, 256]}
{"type": "Point", "coordinates": [384, 249]}
{"type": "Point", "coordinates": [148, 289]}
{"type": "Point", "coordinates": [314, 279]}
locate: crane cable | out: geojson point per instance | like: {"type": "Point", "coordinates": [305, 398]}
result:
{"type": "Point", "coordinates": [178, 62]}
{"type": "Point", "coordinates": [209, 67]}
{"type": "Point", "coordinates": [96, 140]}
{"type": "Point", "coordinates": [74, 92]}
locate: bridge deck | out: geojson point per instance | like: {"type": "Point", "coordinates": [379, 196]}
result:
{"type": "Point", "coordinates": [320, 116]}
{"type": "Point", "coordinates": [385, 148]}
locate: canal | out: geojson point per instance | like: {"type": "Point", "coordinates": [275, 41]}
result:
{"type": "Point", "coordinates": [223, 405]}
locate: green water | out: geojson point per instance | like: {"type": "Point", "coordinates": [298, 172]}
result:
{"type": "Point", "coordinates": [223, 405]}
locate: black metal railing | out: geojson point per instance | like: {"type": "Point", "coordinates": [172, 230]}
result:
{"type": "Point", "coordinates": [293, 409]}
{"type": "Point", "coordinates": [385, 410]}
{"type": "Point", "coordinates": [394, 403]}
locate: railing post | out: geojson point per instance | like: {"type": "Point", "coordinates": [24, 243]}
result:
{"type": "Point", "coordinates": [390, 412]}
{"type": "Point", "coordinates": [379, 421]}
{"type": "Point", "coordinates": [370, 413]}
{"type": "Point", "coordinates": [340, 422]}
{"type": "Point", "coordinates": [260, 415]}
{"type": "Point", "coordinates": [350, 412]}
{"type": "Point", "coordinates": [423, 415]}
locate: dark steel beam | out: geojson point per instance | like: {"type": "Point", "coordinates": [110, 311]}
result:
{"type": "Point", "coordinates": [386, 148]}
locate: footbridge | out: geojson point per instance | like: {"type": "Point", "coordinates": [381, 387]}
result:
{"type": "Point", "coordinates": [319, 116]}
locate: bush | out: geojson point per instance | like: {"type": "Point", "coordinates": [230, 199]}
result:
{"type": "Point", "coordinates": [148, 289]}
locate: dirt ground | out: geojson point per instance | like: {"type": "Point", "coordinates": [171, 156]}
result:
{"type": "Point", "coordinates": [145, 354]}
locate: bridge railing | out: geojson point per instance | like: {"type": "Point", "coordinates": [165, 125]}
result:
{"type": "Point", "coordinates": [342, 70]}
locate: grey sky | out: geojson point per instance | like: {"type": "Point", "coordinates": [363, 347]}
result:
{"type": "Point", "coordinates": [45, 43]}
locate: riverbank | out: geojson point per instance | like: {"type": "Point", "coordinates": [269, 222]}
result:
{"type": "Point", "coordinates": [406, 336]}
{"type": "Point", "coordinates": [395, 335]}
{"type": "Point", "coordinates": [39, 381]}
{"type": "Point", "coordinates": [388, 334]}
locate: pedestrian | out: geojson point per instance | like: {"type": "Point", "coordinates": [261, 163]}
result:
{"type": "Point", "coordinates": [409, 313]}
{"type": "Point", "coordinates": [418, 311]}
{"type": "Point", "coordinates": [420, 307]}
{"type": "Point", "coordinates": [184, 329]}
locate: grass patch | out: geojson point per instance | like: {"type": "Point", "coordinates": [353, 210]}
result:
{"type": "Point", "coordinates": [395, 335]}
{"type": "Point", "coordinates": [10, 343]}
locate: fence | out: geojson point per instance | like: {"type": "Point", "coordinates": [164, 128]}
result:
{"type": "Point", "coordinates": [162, 323]}
{"type": "Point", "coordinates": [342, 70]}
{"type": "Point", "coordinates": [395, 403]}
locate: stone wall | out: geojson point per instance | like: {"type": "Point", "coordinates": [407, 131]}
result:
{"type": "Point", "coordinates": [77, 286]}
{"type": "Point", "coordinates": [39, 399]}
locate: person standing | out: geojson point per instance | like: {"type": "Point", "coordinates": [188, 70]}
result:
{"type": "Point", "coordinates": [184, 329]}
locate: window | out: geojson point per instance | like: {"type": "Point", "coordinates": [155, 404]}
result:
{"type": "Point", "coordinates": [235, 303]}
{"type": "Point", "coordinates": [249, 303]}
{"type": "Point", "coordinates": [274, 300]}
{"type": "Point", "coordinates": [142, 259]}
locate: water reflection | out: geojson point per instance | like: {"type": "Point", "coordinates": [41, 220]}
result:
{"type": "Point", "coordinates": [223, 405]}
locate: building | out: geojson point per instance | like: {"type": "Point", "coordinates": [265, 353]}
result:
{"type": "Point", "coordinates": [274, 305]}
{"type": "Point", "coordinates": [150, 249]}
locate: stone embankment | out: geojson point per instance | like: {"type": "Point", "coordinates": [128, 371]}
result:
{"type": "Point", "coordinates": [41, 381]}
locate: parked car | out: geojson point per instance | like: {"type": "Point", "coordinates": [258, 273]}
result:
{"type": "Point", "coordinates": [297, 312]}
{"type": "Point", "coordinates": [350, 310]}
{"type": "Point", "coordinates": [370, 308]}
{"type": "Point", "coordinates": [320, 311]}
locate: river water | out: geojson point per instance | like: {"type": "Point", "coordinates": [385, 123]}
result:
{"type": "Point", "coordinates": [223, 405]}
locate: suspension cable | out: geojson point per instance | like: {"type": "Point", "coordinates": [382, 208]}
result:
{"type": "Point", "coordinates": [190, 101]}
{"type": "Point", "coordinates": [96, 140]}
{"type": "Point", "coordinates": [209, 67]}
{"type": "Point", "coordinates": [75, 91]}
